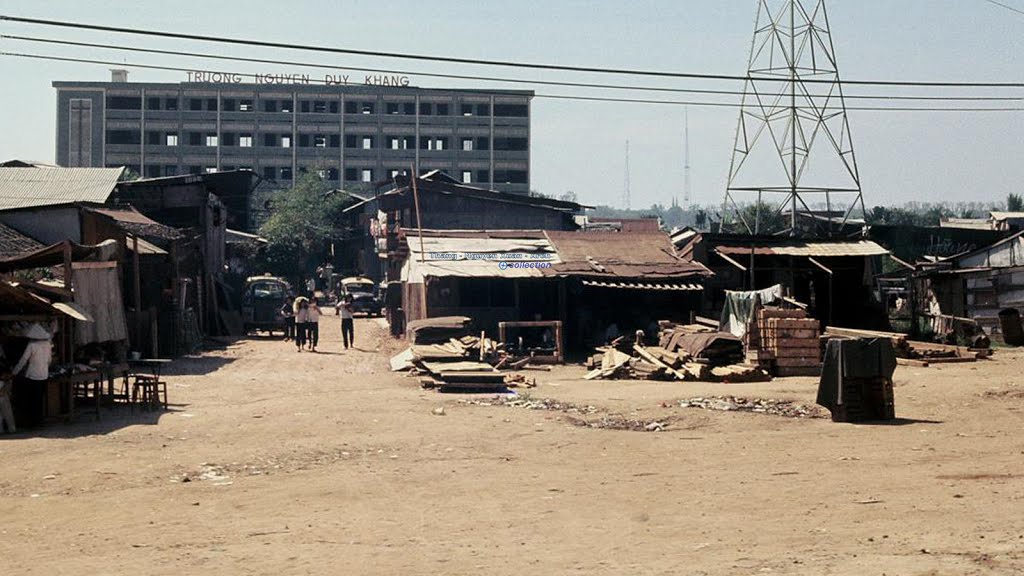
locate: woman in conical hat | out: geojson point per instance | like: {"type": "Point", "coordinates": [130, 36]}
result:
{"type": "Point", "coordinates": [29, 394]}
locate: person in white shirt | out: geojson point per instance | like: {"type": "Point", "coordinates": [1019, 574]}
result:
{"type": "Point", "coordinates": [344, 308]}
{"type": "Point", "coordinates": [313, 324]}
{"type": "Point", "coordinates": [29, 392]}
{"type": "Point", "coordinates": [301, 317]}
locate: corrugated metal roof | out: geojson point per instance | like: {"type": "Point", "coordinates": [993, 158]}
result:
{"type": "Point", "coordinates": [654, 286]}
{"type": "Point", "coordinates": [619, 255]}
{"type": "Point", "coordinates": [1005, 215]}
{"type": "Point", "coordinates": [35, 187]}
{"type": "Point", "coordinates": [477, 255]}
{"type": "Point", "coordinates": [813, 249]}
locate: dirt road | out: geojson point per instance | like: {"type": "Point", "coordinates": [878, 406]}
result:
{"type": "Point", "coordinates": [276, 462]}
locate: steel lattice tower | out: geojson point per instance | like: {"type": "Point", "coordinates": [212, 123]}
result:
{"type": "Point", "coordinates": [793, 120]}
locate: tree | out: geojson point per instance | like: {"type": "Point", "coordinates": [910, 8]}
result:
{"type": "Point", "coordinates": [1014, 203]}
{"type": "Point", "coordinates": [765, 217]}
{"type": "Point", "coordinates": [303, 222]}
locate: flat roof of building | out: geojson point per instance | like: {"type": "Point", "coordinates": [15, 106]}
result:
{"type": "Point", "coordinates": [275, 87]}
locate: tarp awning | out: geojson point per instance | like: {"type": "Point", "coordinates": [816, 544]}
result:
{"type": "Point", "coordinates": [653, 286]}
{"type": "Point", "coordinates": [813, 249]}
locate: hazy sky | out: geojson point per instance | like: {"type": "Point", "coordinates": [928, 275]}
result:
{"type": "Point", "coordinates": [579, 146]}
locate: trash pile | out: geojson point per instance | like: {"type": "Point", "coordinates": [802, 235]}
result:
{"type": "Point", "coordinates": [586, 416]}
{"type": "Point", "coordinates": [446, 357]}
{"type": "Point", "coordinates": [786, 408]}
{"type": "Point", "coordinates": [692, 352]}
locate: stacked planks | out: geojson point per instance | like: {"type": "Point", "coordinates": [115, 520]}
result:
{"type": "Point", "coordinates": [792, 340]}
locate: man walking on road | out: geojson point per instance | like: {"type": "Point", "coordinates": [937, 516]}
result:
{"type": "Point", "coordinates": [313, 324]}
{"type": "Point", "coordinates": [347, 329]}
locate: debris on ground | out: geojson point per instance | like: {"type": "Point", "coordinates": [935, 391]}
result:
{"type": "Point", "coordinates": [771, 406]}
{"type": "Point", "coordinates": [584, 416]}
{"type": "Point", "coordinates": [641, 362]}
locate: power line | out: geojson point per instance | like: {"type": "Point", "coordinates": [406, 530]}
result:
{"type": "Point", "coordinates": [208, 56]}
{"type": "Point", "coordinates": [1007, 6]}
{"type": "Point", "coordinates": [481, 62]}
{"type": "Point", "coordinates": [548, 96]}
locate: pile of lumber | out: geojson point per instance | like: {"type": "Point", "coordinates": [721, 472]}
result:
{"type": "Point", "coordinates": [913, 352]}
{"type": "Point", "coordinates": [791, 340]}
{"type": "Point", "coordinates": [658, 363]}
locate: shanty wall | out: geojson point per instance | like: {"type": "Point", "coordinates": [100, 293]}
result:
{"type": "Point", "coordinates": [449, 212]}
{"type": "Point", "coordinates": [47, 225]}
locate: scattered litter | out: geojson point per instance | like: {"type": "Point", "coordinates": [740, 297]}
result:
{"type": "Point", "coordinates": [786, 408]}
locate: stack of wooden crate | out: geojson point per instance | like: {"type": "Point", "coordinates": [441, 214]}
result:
{"type": "Point", "coordinates": [792, 341]}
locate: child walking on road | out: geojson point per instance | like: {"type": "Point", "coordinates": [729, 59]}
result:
{"type": "Point", "coordinates": [347, 329]}
{"type": "Point", "coordinates": [313, 324]}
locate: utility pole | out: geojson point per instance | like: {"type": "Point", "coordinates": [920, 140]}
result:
{"type": "Point", "coordinates": [686, 157]}
{"type": "Point", "coordinates": [625, 189]}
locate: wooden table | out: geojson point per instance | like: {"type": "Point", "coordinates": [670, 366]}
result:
{"type": "Point", "coordinates": [68, 384]}
{"type": "Point", "coordinates": [147, 374]}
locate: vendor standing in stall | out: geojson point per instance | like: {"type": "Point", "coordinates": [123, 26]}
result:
{"type": "Point", "coordinates": [29, 394]}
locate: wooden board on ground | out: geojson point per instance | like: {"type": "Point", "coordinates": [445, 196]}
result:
{"type": "Point", "coordinates": [465, 366]}
{"type": "Point", "coordinates": [802, 362]}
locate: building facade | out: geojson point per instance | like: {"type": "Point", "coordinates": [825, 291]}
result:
{"type": "Point", "coordinates": [346, 133]}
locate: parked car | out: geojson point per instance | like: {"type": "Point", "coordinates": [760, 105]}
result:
{"type": "Point", "coordinates": [262, 300]}
{"type": "Point", "coordinates": [364, 293]}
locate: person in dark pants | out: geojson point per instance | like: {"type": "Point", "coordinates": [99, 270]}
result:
{"type": "Point", "coordinates": [301, 315]}
{"type": "Point", "coordinates": [29, 394]}
{"type": "Point", "coordinates": [347, 328]}
{"type": "Point", "coordinates": [313, 324]}
{"type": "Point", "coordinates": [289, 321]}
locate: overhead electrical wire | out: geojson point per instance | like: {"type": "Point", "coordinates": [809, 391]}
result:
{"type": "Point", "coordinates": [1007, 6]}
{"type": "Point", "coordinates": [536, 95]}
{"type": "Point", "coordinates": [484, 62]}
{"type": "Point", "coordinates": [208, 56]}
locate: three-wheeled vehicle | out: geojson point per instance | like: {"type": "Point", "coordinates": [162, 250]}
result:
{"type": "Point", "coordinates": [365, 297]}
{"type": "Point", "coordinates": [262, 300]}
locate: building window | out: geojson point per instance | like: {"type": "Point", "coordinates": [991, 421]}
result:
{"type": "Point", "coordinates": [319, 141]}
{"type": "Point", "coordinates": [304, 106]}
{"type": "Point", "coordinates": [483, 143]}
{"type": "Point", "coordinates": [395, 143]}
{"type": "Point", "coordinates": [409, 108]}
{"type": "Point", "coordinates": [124, 102]}
{"type": "Point", "coordinates": [332, 174]}
{"type": "Point", "coordinates": [394, 172]}
{"type": "Point", "coordinates": [153, 104]}
{"type": "Point", "coordinates": [170, 170]}
{"type": "Point", "coordinates": [426, 109]}
{"type": "Point", "coordinates": [367, 142]}
{"type": "Point", "coordinates": [171, 104]}
{"type": "Point", "coordinates": [245, 140]}
{"type": "Point", "coordinates": [195, 104]}
{"type": "Point", "coordinates": [227, 139]}
{"type": "Point", "coordinates": [270, 105]}
{"type": "Point", "coordinates": [512, 110]}
{"type": "Point", "coordinates": [287, 106]}
{"type": "Point", "coordinates": [351, 107]}
{"type": "Point", "coordinates": [320, 107]}
{"type": "Point", "coordinates": [391, 108]}
{"type": "Point", "coordinates": [303, 140]}
{"type": "Point", "coordinates": [366, 108]}
{"type": "Point", "coordinates": [510, 176]}
{"type": "Point", "coordinates": [286, 141]}
{"type": "Point", "coordinates": [229, 105]}
{"type": "Point", "coordinates": [195, 169]}
{"type": "Point", "coordinates": [483, 176]}
{"type": "Point", "coordinates": [350, 174]}
{"type": "Point", "coordinates": [438, 143]}
{"type": "Point", "coordinates": [210, 169]}
{"type": "Point", "coordinates": [467, 144]}
{"type": "Point", "coordinates": [152, 171]}
{"type": "Point", "coordinates": [195, 138]}
{"type": "Point", "coordinates": [467, 176]}
{"type": "Point", "coordinates": [467, 109]}
{"type": "Point", "coordinates": [211, 104]}
{"type": "Point", "coordinates": [366, 175]}
{"type": "Point", "coordinates": [511, 144]}
{"type": "Point", "coordinates": [245, 105]}
{"type": "Point", "coordinates": [286, 173]}
{"type": "Point", "coordinates": [171, 139]}
{"type": "Point", "coordinates": [153, 138]}
{"type": "Point", "coordinates": [442, 109]}
{"type": "Point", "coordinates": [269, 140]}
{"type": "Point", "coordinates": [123, 137]}
{"type": "Point", "coordinates": [211, 140]}
{"type": "Point", "coordinates": [483, 109]}
{"type": "Point", "coordinates": [335, 141]}
{"type": "Point", "coordinates": [350, 141]}
{"type": "Point", "coordinates": [269, 173]}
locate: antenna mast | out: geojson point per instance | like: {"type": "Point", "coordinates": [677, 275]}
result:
{"type": "Point", "coordinates": [625, 190]}
{"type": "Point", "coordinates": [686, 157]}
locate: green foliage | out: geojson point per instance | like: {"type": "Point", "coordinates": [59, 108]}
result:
{"type": "Point", "coordinates": [1014, 203]}
{"type": "Point", "coordinates": [761, 217]}
{"type": "Point", "coordinates": [303, 222]}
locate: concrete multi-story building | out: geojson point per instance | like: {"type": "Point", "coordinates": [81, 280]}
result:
{"type": "Point", "coordinates": [345, 132]}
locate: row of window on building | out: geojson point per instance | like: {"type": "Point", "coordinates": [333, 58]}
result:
{"type": "Point", "coordinates": [353, 141]}
{"type": "Point", "coordinates": [315, 106]}
{"type": "Point", "coordinates": [331, 174]}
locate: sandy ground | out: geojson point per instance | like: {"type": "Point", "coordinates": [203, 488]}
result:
{"type": "Point", "coordinates": [274, 462]}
